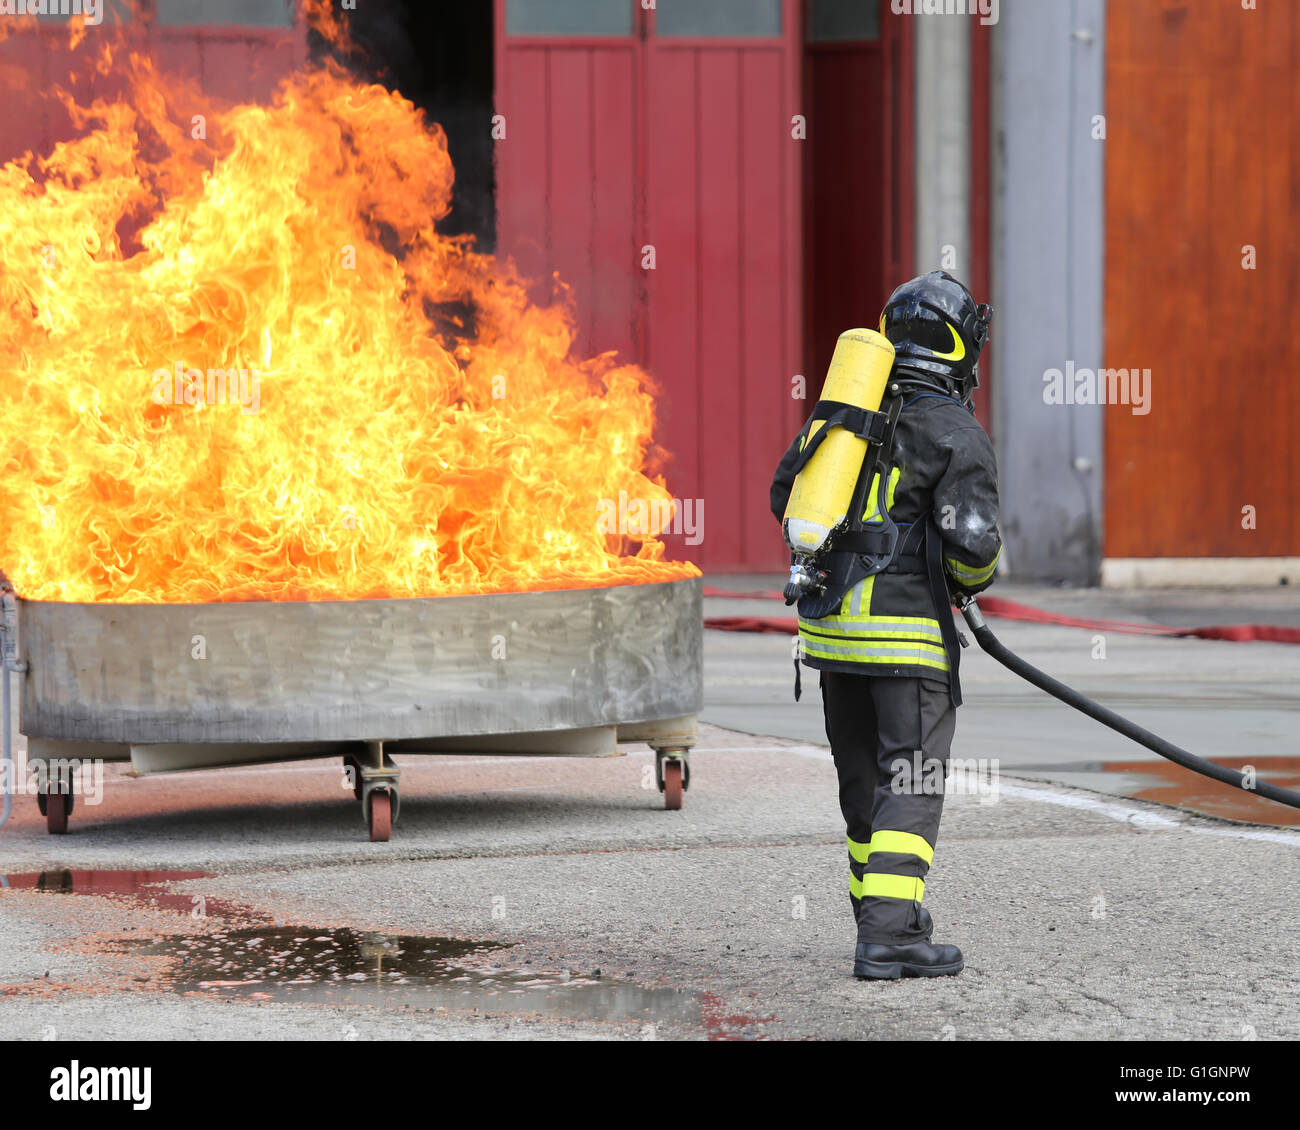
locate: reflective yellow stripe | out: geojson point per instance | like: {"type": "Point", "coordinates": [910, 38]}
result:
{"type": "Point", "coordinates": [969, 576]}
{"type": "Point", "coordinates": [863, 627]}
{"type": "Point", "coordinates": [861, 589]}
{"type": "Point", "coordinates": [958, 346]}
{"type": "Point", "coordinates": [868, 645]}
{"type": "Point", "coordinates": [850, 636]}
{"type": "Point", "coordinates": [858, 851]}
{"type": "Point", "coordinates": [900, 843]}
{"type": "Point", "coordinates": [892, 887]}
{"type": "Point", "coordinates": [872, 514]}
{"type": "Point", "coordinates": [878, 618]}
{"type": "Point", "coordinates": [850, 616]}
{"type": "Point", "coordinates": [903, 652]}
{"type": "Point", "coordinates": [903, 843]}
{"type": "Point", "coordinates": [854, 626]}
{"type": "Point", "coordinates": [872, 885]}
{"type": "Point", "coordinates": [914, 660]}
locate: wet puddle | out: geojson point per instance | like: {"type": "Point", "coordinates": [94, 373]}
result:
{"type": "Point", "coordinates": [144, 888]}
{"type": "Point", "coordinates": [352, 967]}
{"type": "Point", "coordinates": [1171, 784]}
{"type": "Point", "coordinates": [345, 966]}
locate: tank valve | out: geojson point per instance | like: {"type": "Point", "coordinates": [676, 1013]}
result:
{"type": "Point", "coordinates": [805, 580]}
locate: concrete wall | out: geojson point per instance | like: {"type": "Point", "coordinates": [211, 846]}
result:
{"type": "Point", "coordinates": [1048, 239]}
{"type": "Point", "coordinates": [942, 144]}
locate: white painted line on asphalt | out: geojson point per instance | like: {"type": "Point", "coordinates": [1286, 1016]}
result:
{"type": "Point", "coordinates": [817, 752]}
{"type": "Point", "coordinates": [1134, 815]}
{"type": "Point", "coordinates": [1121, 812]}
{"type": "Point", "coordinates": [1243, 834]}
{"type": "Point", "coordinates": [1126, 814]}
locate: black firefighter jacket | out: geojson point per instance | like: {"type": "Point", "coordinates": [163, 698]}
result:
{"type": "Point", "coordinates": [942, 466]}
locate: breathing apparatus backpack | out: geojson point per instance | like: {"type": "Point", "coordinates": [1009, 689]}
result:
{"type": "Point", "coordinates": [844, 453]}
{"type": "Point", "coordinates": [837, 522]}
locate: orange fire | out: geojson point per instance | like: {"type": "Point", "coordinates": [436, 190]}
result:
{"type": "Point", "coordinates": [245, 366]}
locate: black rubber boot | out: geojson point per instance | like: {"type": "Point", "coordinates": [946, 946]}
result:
{"type": "Point", "coordinates": [875, 962]}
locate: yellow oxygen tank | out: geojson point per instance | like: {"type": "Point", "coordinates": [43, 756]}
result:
{"type": "Point", "coordinates": [823, 490]}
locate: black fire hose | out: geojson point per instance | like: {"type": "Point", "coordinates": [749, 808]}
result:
{"type": "Point", "coordinates": [989, 642]}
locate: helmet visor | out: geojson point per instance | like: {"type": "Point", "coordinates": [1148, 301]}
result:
{"type": "Point", "coordinates": [922, 326]}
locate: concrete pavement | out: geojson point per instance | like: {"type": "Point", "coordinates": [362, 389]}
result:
{"type": "Point", "coordinates": [1217, 699]}
{"type": "Point", "coordinates": [1081, 915]}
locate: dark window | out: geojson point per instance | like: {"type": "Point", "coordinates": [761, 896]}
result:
{"type": "Point", "coordinates": [569, 17]}
{"type": "Point", "coordinates": [96, 12]}
{"type": "Point", "coordinates": [440, 56]}
{"type": "Point", "coordinates": [832, 21]}
{"type": "Point", "coordinates": [241, 13]}
{"type": "Point", "coordinates": [743, 18]}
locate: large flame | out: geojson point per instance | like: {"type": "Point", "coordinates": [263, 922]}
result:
{"type": "Point", "coordinates": [401, 420]}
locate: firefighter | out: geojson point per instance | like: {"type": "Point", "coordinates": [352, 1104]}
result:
{"type": "Point", "coordinates": [886, 651]}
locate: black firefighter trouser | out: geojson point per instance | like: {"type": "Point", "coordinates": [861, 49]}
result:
{"type": "Point", "coordinates": [890, 738]}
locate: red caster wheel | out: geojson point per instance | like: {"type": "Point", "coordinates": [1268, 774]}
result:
{"type": "Point", "coordinates": [57, 806]}
{"type": "Point", "coordinates": [380, 817]}
{"type": "Point", "coordinates": [672, 785]}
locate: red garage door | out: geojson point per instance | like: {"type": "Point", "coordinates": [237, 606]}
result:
{"type": "Point", "coordinates": [650, 159]}
{"type": "Point", "coordinates": [235, 50]}
{"type": "Point", "coordinates": [858, 161]}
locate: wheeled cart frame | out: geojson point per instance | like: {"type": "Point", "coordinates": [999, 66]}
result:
{"type": "Point", "coordinates": [174, 687]}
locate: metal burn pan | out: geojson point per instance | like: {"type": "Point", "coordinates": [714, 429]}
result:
{"type": "Point", "coordinates": [186, 686]}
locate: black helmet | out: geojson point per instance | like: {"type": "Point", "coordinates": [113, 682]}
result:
{"type": "Point", "coordinates": [938, 331]}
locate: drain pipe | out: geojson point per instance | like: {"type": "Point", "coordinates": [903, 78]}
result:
{"type": "Point", "coordinates": [9, 664]}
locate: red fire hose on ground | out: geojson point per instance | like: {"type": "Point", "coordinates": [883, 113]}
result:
{"type": "Point", "coordinates": [1013, 610]}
